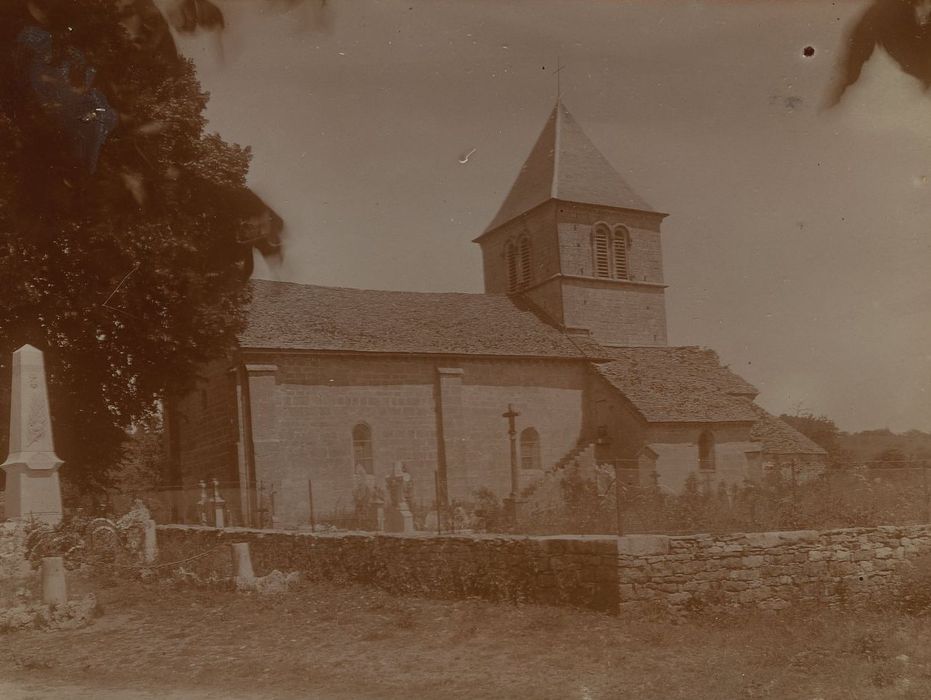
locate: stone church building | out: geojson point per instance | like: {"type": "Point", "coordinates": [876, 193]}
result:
{"type": "Point", "coordinates": [327, 385]}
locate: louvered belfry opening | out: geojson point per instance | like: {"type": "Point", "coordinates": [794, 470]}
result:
{"type": "Point", "coordinates": [525, 267]}
{"type": "Point", "coordinates": [519, 265]}
{"type": "Point", "coordinates": [510, 254]}
{"type": "Point", "coordinates": [619, 245]}
{"type": "Point", "coordinates": [601, 245]}
{"type": "Point", "coordinates": [610, 250]}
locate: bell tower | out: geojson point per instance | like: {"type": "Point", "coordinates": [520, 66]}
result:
{"type": "Point", "coordinates": [573, 238]}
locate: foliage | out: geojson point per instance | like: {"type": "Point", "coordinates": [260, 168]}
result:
{"type": "Point", "coordinates": [143, 464]}
{"type": "Point", "coordinates": [784, 499]}
{"type": "Point", "coordinates": [820, 429]}
{"type": "Point", "coordinates": [870, 445]}
{"type": "Point", "coordinates": [488, 513]}
{"type": "Point", "coordinates": [82, 540]}
{"type": "Point", "coordinates": [130, 277]}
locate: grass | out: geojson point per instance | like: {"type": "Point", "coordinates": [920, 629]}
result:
{"type": "Point", "coordinates": [327, 641]}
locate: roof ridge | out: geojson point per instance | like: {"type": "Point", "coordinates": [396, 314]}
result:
{"type": "Point", "coordinates": [557, 144]}
{"type": "Point", "coordinates": [307, 285]}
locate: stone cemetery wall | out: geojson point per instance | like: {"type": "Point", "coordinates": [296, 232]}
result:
{"type": "Point", "coordinates": [768, 570]}
{"type": "Point", "coordinates": [635, 573]}
{"type": "Point", "coordinates": [577, 571]}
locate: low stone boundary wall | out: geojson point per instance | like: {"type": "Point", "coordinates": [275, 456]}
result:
{"type": "Point", "coordinates": [634, 573]}
{"type": "Point", "coordinates": [768, 570]}
{"type": "Point", "coordinates": [572, 571]}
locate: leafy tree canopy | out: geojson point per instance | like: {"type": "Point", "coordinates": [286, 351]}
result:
{"type": "Point", "coordinates": [127, 271]}
{"type": "Point", "coordinates": [820, 429]}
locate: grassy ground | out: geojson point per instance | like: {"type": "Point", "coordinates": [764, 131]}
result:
{"type": "Point", "coordinates": [321, 641]}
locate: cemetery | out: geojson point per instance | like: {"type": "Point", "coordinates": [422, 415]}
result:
{"type": "Point", "coordinates": [384, 590]}
{"type": "Point", "coordinates": [309, 448]}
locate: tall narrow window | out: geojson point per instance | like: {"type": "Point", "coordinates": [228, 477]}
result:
{"type": "Point", "coordinates": [619, 245]}
{"type": "Point", "coordinates": [601, 243]}
{"type": "Point", "coordinates": [510, 257]}
{"type": "Point", "coordinates": [529, 449]}
{"type": "Point", "coordinates": [706, 451]}
{"type": "Point", "coordinates": [525, 267]}
{"type": "Point", "coordinates": [362, 448]}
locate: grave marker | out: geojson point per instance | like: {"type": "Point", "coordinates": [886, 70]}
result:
{"type": "Point", "coordinates": [33, 489]}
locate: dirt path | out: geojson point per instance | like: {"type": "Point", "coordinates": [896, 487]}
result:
{"type": "Point", "coordinates": [34, 689]}
{"type": "Point", "coordinates": [161, 642]}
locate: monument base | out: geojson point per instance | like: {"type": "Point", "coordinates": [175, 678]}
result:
{"type": "Point", "coordinates": [513, 508]}
{"type": "Point", "coordinates": [399, 520]}
{"type": "Point", "coordinates": [33, 493]}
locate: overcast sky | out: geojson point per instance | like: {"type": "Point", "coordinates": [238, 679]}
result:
{"type": "Point", "coordinates": [797, 244]}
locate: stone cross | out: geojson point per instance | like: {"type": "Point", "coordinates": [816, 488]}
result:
{"type": "Point", "coordinates": [33, 489]}
{"type": "Point", "coordinates": [511, 414]}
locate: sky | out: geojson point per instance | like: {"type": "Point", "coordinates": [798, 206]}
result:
{"type": "Point", "coordinates": [797, 244]}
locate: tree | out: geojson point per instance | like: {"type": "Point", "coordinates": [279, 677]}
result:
{"type": "Point", "coordinates": [126, 269]}
{"type": "Point", "coordinates": [902, 28]}
{"type": "Point", "coordinates": [820, 429]}
{"type": "Point", "coordinates": [891, 457]}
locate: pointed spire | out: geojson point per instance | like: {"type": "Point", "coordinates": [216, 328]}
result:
{"type": "Point", "coordinates": [564, 164]}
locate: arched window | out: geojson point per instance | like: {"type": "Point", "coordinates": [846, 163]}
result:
{"type": "Point", "coordinates": [601, 243]}
{"type": "Point", "coordinates": [529, 449]}
{"type": "Point", "coordinates": [362, 448]}
{"type": "Point", "coordinates": [510, 257]}
{"type": "Point", "coordinates": [619, 243]}
{"type": "Point", "coordinates": [706, 451]}
{"type": "Point", "coordinates": [526, 271]}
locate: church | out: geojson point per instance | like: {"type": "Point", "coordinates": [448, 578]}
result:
{"type": "Point", "coordinates": [564, 357]}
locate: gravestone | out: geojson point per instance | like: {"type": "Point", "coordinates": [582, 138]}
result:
{"type": "Point", "coordinates": [398, 516]}
{"type": "Point", "coordinates": [32, 485]}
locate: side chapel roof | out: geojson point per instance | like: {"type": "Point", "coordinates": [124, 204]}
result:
{"type": "Point", "coordinates": [679, 384]}
{"type": "Point", "coordinates": [564, 164]}
{"type": "Point", "coordinates": [778, 437]}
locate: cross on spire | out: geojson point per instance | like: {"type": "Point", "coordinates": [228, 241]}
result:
{"type": "Point", "coordinates": [559, 68]}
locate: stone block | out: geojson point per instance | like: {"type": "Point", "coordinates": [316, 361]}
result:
{"type": "Point", "coordinates": [798, 536]}
{"type": "Point", "coordinates": [764, 540]}
{"type": "Point", "coordinates": [639, 545]}
{"type": "Point", "coordinates": [679, 598]}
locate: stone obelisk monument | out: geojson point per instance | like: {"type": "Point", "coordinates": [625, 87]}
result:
{"type": "Point", "coordinates": [32, 486]}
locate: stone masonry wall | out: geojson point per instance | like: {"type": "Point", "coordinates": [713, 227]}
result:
{"type": "Point", "coordinates": [572, 571]}
{"type": "Point", "coordinates": [310, 403]}
{"type": "Point", "coordinates": [767, 570]}
{"type": "Point", "coordinates": [630, 574]}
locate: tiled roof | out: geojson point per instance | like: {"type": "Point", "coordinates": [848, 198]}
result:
{"type": "Point", "coordinates": [297, 316]}
{"type": "Point", "coordinates": [780, 438]}
{"type": "Point", "coordinates": [679, 384]}
{"type": "Point", "coordinates": [565, 164]}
